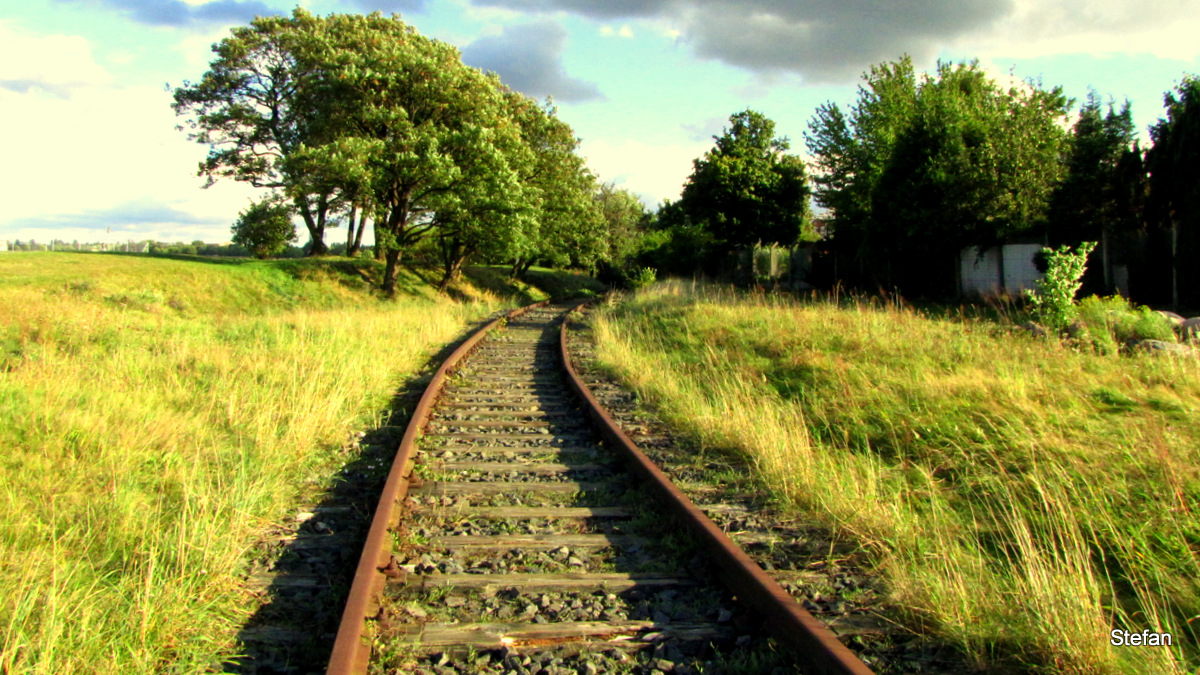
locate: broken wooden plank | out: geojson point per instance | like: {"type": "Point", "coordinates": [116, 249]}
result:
{"type": "Point", "coordinates": [481, 636]}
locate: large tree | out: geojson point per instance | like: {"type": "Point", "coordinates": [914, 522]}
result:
{"type": "Point", "coordinates": [251, 110]}
{"type": "Point", "coordinates": [923, 167]}
{"type": "Point", "coordinates": [1174, 200]}
{"type": "Point", "coordinates": [747, 189]}
{"type": "Point", "coordinates": [625, 219]}
{"type": "Point", "coordinates": [567, 228]}
{"type": "Point", "coordinates": [1102, 195]}
{"type": "Point", "coordinates": [1096, 195]}
{"type": "Point", "coordinates": [414, 123]}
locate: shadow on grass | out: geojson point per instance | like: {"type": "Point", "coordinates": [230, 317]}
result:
{"type": "Point", "coordinates": [294, 629]}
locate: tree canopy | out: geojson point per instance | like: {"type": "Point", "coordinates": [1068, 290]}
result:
{"type": "Point", "coordinates": [363, 115]}
{"type": "Point", "coordinates": [265, 227]}
{"type": "Point", "coordinates": [1103, 189]}
{"type": "Point", "coordinates": [924, 166]}
{"type": "Point", "coordinates": [1174, 198]}
{"type": "Point", "coordinates": [747, 189]}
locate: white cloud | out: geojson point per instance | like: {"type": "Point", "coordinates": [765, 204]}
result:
{"type": "Point", "coordinates": [1163, 28]}
{"type": "Point", "coordinates": [51, 63]}
{"type": "Point", "coordinates": [101, 156]}
{"type": "Point", "coordinates": [624, 31]}
{"type": "Point", "coordinates": [653, 171]}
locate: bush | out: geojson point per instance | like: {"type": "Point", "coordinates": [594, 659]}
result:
{"type": "Point", "coordinates": [265, 227]}
{"type": "Point", "coordinates": [628, 278]}
{"type": "Point", "coordinates": [1054, 300]}
{"type": "Point", "coordinates": [1113, 321]}
{"type": "Point", "coordinates": [640, 277]}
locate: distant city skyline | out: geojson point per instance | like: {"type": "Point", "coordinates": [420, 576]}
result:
{"type": "Point", "coordinates": [92, 153]}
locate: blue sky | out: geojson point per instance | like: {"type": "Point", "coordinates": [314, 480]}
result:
{"type": "Point", "coordinates": [91, 151]}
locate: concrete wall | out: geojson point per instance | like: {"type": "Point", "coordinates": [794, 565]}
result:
{"type": "Point", "coordinates": [1019, 271]}
{"type": "Point", "coordinates": [1001, 269]}
{"type": "Point", "coordinates": [980, 275]}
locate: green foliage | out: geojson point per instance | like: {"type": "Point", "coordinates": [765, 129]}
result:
{"type": "Point", "coordinates": [921, 167]}
{"type": "Point", "coordinates": [747, 189]}
{"type": "Point", "coordinates": [1111, 322]}
{"type": "Point", "coordinates": [1104, 187]}
{"type": "Point", "coordinates": [625, 219]}
{"type": "Point", "coordinates": [1054, 300]}
{"type": "Point", "coordinates": [676, 245]}
{"type": "Point", "coordinates": [1174, 198]}
{"type": "Point", "coordinates": [640, 277]}
{"type": "Point", "coordinates": [265, 228]}
{"type": "Point", "coordinates": [250, 109]}
{"type": "Point", "coordinates": [362, 115]}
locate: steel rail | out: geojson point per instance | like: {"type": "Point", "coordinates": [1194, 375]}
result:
{"type": "Point", "coordinates": [351, 654]}
{"type": "Point", "coordinates": [790, 623]}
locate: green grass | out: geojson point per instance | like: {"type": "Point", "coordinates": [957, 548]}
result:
{"type": "Point", "coordinates": [1021, 498]}
{"type": "Point", "coordinates": [158, 414]}
{"type": "Point", "coordinates": [540, 284]}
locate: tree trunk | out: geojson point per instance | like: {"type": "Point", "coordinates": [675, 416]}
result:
{"type": "Point", "coordinates": [315, 224]}
{"type": "Point", "coordinates": [454, 253]}
{"type": "Point", "coordinates": [351, 249]}
{"type": "Point", "coordinates": [377, 250]}
{"type": "Point", "coordinates": [362, 224]}
{"type": "Point", "coordinates": [390, 271]}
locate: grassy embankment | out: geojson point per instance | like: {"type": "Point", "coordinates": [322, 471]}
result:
{"type": "Point", "coordinates": [157, 414]}
{"type": "Point", "coordinates": [1021, 498]}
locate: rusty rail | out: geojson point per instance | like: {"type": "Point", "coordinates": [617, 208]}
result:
{"type": "Point", "coordinates": [351, 654]}
{"type": "Point", "coordinates": [789, 622]}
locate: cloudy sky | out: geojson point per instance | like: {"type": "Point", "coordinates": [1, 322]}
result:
{"type": "Point", "coordinates": [90, 149]}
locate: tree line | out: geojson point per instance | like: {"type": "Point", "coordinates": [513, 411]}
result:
{"type": "Point", "coordinates": [360, 119]}
{"type": "Point", "coordinates": [921, 166]}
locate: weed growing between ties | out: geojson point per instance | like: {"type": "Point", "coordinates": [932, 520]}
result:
{"type": "Point", "coordinates": [157, 415]}
{"type": "Point", "coordinates": [1021, 498]}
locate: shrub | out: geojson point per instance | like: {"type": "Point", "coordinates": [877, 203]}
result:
{"type": "Point", "coordinates": [1054, 300]}
{"type": "Point", "coordinates": [265, 227]}
{"type": "Point", "coordinates": [1113, 321]}
{"type": "Point", "coordinates": [627, 278]}
{"type": "Point", "coordinates": [640, 277]}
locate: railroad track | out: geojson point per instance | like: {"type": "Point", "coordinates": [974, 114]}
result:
{"type": "Point", "coordinates": [514, 538]}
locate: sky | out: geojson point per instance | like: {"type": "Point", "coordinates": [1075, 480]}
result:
{"type": "Point", "coordinates": [91, 150]}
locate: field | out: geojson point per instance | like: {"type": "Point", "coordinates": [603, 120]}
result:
{"type": "Point", "coordinates": [158, 414]}
{"type": "Point", "coordinates": [1020, 498]}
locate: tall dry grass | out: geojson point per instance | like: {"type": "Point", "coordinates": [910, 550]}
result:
{"type": "Point", "coordinates": [156, 415]}
{"type": "Point", "coordinates": [1021, 499]}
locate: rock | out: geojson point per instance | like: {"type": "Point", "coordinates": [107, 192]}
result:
{"type": "Point", "coordinates": [1173, 317]}
{"type": "Point", "coordinates": [1076, 330]}
{"type": "Point", "coordinates": [1189, 329]}
{"type": "Point", "coordinates": [663, 666]}
{"type": "Point", "coordinates": [1033, 329]}
{"type": "Point", "coordinates": [724, 616]}
{"type": "Point", "coordinates": [1161, 347]}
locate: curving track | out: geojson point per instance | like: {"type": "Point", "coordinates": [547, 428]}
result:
{"type": "Point", "coordinates": [528, 544]}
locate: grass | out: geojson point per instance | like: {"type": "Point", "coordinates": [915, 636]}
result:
{"type": "Point", "coordinates": [1020, 498]}
{"type": "Point", "coordinates": [158, 415]}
